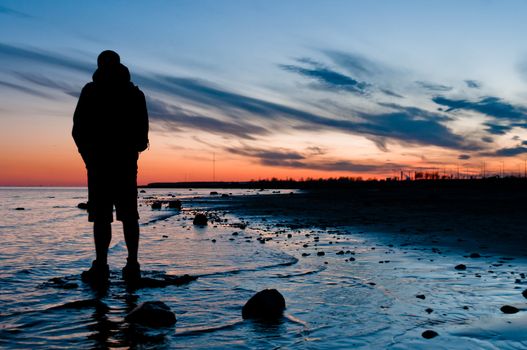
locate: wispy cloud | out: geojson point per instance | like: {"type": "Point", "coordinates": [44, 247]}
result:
{"type": "Point", "coordinates": [473, 84]}
{"type": "Point", "coordinates": [24, 89]}
{"type": "Point", "coordinates": [326, 77]}
{"type": "Point", "coordinates": [507, 152]}
{"type": "Point", "coordinates": [279, 157]}
{"type": "Point", "coordinates": [249, 117]}
{"type": "Point", "coordinates": [173, 118]}
{"type": "Point", "coordinates": [433, 86]}
{"type": "Point", "coordinates": [490, 106]}
{"type": "Point", "coordinates": [8, 11]}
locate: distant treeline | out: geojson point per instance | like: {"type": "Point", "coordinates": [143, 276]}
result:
{"type": "Point", "coordinates": [346, 182]}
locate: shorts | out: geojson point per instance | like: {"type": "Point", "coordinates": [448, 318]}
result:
{"type": "Point", "coordinates": [112, 181]}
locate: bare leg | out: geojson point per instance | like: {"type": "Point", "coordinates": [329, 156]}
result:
{"type": "Point", "coordinates": [102, 234]}
{"type": "Point", "coordinates": [131, 236]}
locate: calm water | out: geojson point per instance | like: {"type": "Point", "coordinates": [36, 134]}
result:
{"type": "Point", "coordinates": [332, 302]}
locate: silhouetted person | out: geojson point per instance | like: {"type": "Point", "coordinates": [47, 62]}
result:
{"type": "Point", "coordinates": [110, 128]}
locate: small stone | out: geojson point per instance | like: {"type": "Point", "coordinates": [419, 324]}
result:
{"type": "Point", "coordinates": [429, 334]}
{"type": "Point", "coordinates": [82, 205]}
{"type": "Point", "coordinates": [200, 219]}
{"type": "Point", "coordinates": [267, 304]}
{"type": "Point", "coordinates": [305, 254]}
{"type": "Point", "coordinates": [341, 252]}
{"type": "Point", "coordinates": [175, 204]}
{"type": "Point", "coordinates": [420, 296]}
{"type": "Point", "coordinates": [524, 293]}
{"type": "Point", "coordinates": [213, 240]}
{"type": "Point", "coordinates": [321, 253]}
{"type": "Point", "coordinates": [142, 191]}
{"type": "Point", "coordinates": [156, 205]}
{"type": "Point", "coordinates": [213, 193]}
{"type": "Point", "coordinates": [429, 310]}
{"type": "Point", "coordinates": [507, 309]}
{"type": "Point", "coordinates": [152, 314]}
{"type": "Point", "coordinates": [289, 235]}
{"type": "Point", "coordinates": [460, 267]}
{"type": "Point", "coordinates": [235, 233]}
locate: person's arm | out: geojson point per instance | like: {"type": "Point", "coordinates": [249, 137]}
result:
{"type": "Point", "coordinates": [142, 123]}
{"type": "Point", "coordinates": [79, 120]}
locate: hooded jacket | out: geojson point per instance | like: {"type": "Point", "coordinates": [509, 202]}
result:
{"type": "Point", "coordinates": [111, 115]}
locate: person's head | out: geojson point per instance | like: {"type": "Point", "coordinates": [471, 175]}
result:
{"type": "Point", "coordinates": [108, 58]}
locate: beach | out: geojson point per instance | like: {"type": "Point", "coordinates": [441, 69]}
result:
{"type": "Point", "coordinates": [369, 268]}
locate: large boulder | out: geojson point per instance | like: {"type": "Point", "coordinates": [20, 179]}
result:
{"type": "Point", "coordinates": [152, 314]}
{"type": "Point", "coordinates": [267, 304]}
{"type": "Point", "coordinates": [200, 219]}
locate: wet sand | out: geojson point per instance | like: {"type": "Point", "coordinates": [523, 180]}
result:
{"type": "Point", "coordinates": [478, 216]}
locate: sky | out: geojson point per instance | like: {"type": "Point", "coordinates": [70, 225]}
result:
{"type": "Point", "coordinates": [241, 90]}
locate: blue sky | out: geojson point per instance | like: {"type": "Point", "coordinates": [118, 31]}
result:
{"type": "Point", "coordinates": [309, 88]}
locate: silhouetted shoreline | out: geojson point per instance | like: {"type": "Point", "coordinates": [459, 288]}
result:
{"type": "Point", "coordinates": [348, 182]}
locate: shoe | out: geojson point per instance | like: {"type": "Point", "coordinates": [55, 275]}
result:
{"type": "Point", "coordinates": [132, 272]}
{"type": "Point", "coordinates": [97, 275]}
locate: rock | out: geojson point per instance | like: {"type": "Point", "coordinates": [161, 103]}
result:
{"type": "Point", "coordinates": [152, 314]}
{"type": "Point", "coordinates": [20, 208]}
{"type": "Point", "coordinates": [460, 267]}
{"type": "Point", "coordinates": [321, 253]}
{"type": "Point", "coordinates": [235, 233]}
{"type": "Point", "coordinates": [507, 309]}
{"type": "Point", "coordinates": [429, 310]}
{"type": "Point", "coordinates": [524, 293]}
{"type": "Point", "coordinates": [213, 193]}
{"type": "Point", "coordinates": [474, 255]}
{"type": "Point", "coordinates": [156, 205]}
{"type": "Point", "coordinates": [142, 191]}
{"type": "Point", "coordinates": [200, 219]}
{"type": "Point", "coordinates": [83, 206]}
{"type": "Point", "coordinates": [429, 334]}
{"type": "Point", "coordinates": [340, 252]}
{"type": "Point", "coordinates": [267, 304]}
{"type": "Point", "coordinates": [213, 240]}
{"type": "Point", "coordinates": [224, 195]}
{"type": "Point", "coordinates": [420, 296]}
{"type": "Point", "coordinates": [175, 204]}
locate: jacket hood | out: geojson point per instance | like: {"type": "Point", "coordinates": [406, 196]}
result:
{"type": "Point", "coordinates": [112, 75]}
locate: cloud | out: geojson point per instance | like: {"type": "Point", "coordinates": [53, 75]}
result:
{"type": "Point", "coordinates": [266, 155]}
{"type": "Point", "coordinates": [327, 78]}
{"type": "Point", "coordinates": [433, 87]}
{"type": "Point", "coordinates": [174, 118]}
{"type": "Point", "coordinates": [8, 11]}
{"type": "Point", "coordinates": [41, 80]}
{"type": "Point", "coordinates": [507, 152]}
{"type": "Point", "coordinates": [473, 84]}
{"type": "Point", "coordinates": [490, 106]}
{"type": "Point", "coordinates": [487, 139]}
{"type": "Point", "coordinates": [248, 117]}
{"type": "Point", "coordinates": [463, 157]}
{"type": "Point", "coordinates": [496, 129]}
{"type": "Point", "coordinates": [280, 157]}
{"type": "Point", "coordinates": [44, 57]}
{"type": "Point", "coordinates": [23, 89]}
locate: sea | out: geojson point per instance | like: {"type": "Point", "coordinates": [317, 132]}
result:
{"type": "Point", "coordinates": [344, 288]}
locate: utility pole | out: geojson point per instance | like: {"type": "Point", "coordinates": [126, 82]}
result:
{"type": "Point", "coordinates": [213, 167]}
